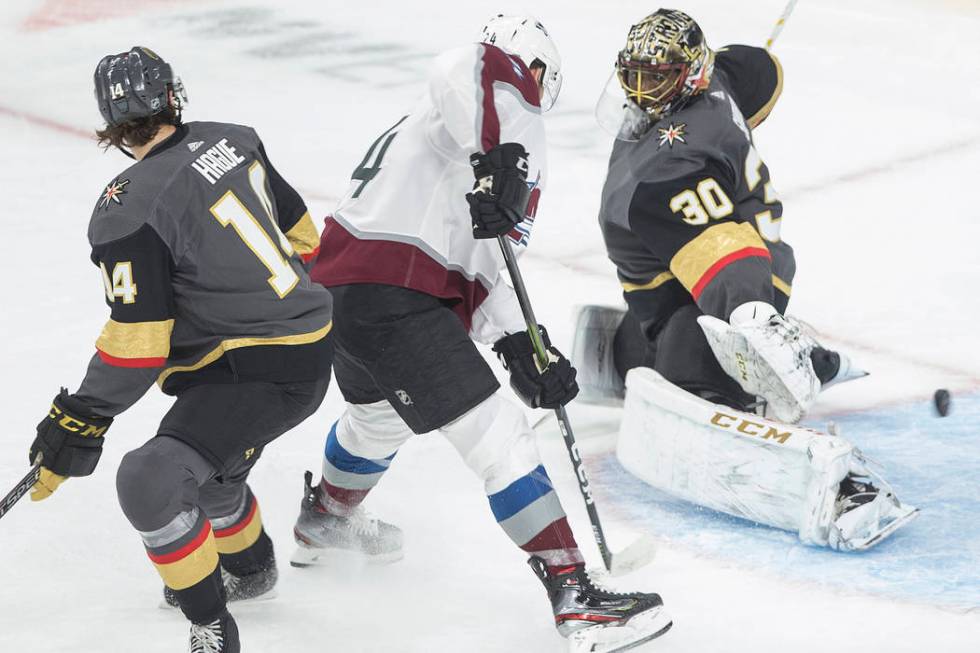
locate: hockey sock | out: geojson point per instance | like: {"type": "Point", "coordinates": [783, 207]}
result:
{"type": "Point", "coordinates": [187, 561]}
{"type": "Point", "coordinates": [347, 478]}
{"type": "Point", "coordinates": [529, 512]}
{"type": "Point", "coordinates": [242, 543]}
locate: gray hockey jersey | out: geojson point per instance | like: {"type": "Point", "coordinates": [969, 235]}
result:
{"type": "Point", "coordinates": [201, 247]}
{"type": "Point", "coordinates": [689, 212]}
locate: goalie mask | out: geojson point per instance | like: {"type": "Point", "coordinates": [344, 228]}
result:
{"type": "Point", "coordinates": [527, 39]}
{"type": "Point", "coordinates": [136, 84]}
{"type": "Point", "coordinates": [666, 62]}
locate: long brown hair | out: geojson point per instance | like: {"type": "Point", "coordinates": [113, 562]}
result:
{"type": "Point", "coordinates": [139, 131]}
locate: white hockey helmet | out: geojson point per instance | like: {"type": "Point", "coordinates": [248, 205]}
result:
{"type": "Point", "coordinates": [525, 37]}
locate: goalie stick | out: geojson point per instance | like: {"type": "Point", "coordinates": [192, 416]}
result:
{"type": "Point", "coordinates": [781, 23]}
{"type": "Point", "coordinates": [22, 488]}
{"type": "Point", "coordinates": [640, 552]}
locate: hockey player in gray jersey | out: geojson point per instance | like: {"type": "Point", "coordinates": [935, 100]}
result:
{"type": "Point", "coordinates": [691, 220]}
{"type": "Point", "coordinates": [201, 246]}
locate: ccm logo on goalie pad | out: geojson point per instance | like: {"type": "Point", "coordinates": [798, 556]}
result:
{"type": "Point", "coordinates": [730, 422]}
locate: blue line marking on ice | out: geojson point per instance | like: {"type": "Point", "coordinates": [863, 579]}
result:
{"type": "Point", "coordinates": [932, 463]}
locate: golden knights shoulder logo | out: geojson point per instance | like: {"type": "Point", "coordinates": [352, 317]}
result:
{"type": "Point", "coordinates": [672, 133]}
{"type": "Point", "coordinates": [113, 192]}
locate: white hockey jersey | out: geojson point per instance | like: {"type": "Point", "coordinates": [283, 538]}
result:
{"type": "Point", "coordinates": [405, 221]}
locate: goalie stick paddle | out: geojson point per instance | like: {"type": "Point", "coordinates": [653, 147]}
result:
{"type": "Point", "coordinates": [640, 552]}
{"type": "Point", "coordinates": [22, 488]}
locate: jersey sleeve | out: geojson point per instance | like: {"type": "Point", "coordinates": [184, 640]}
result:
{"type": "Point", "coordinates": [692, 224]}
{"type": "Point", "coordinates": [294, 218]}
{"type": "Point", "coordinates": [485, 97]}
{"type": "Point", "coordinates": [134, 344]}
{"type": "Point", "coordinates": [756, 79]}
{"type": "Point", "coordinates": [498, 315]}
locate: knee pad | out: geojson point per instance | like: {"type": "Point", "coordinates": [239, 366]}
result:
{"type": "Point", "coordinates": [153, 488]}
{"type": "Point", "coordinates": [684, 358]}
{"type": "Point", "coordinates": [495, 441]}
{"type": "Point", "coordinates": [372, 430]}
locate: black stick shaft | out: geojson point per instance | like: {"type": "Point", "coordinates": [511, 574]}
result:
{"type": "Point", "coordinates": [22, 488]}
{"type": "Point", "coordinates": [563, 422]}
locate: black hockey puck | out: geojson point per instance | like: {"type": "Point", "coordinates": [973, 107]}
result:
{"type": "Point", "coordinates": [943, 402]}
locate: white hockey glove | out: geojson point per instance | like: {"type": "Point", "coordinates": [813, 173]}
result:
{"type": "Point", "coordinates": [768, 355]}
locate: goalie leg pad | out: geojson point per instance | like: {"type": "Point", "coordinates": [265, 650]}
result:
{"type": "Point", "coordinates": [738, 463]}
{"type": "Point", "coordinates": [593, 355]}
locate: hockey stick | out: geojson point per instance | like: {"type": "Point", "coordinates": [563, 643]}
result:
{"type": "Point", "coordinates": [781, 23]}
{"type": "Point", "coordinates": [22, 488]}
{"type": "Point", "coordinates": [641, 551]}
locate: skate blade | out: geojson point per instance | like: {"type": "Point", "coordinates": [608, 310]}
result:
{"type": "Point", "coordinates": [305, 556]}
{"type": "Point", "coordinates": [888, 530]}
{"type": "Point", "coordinates": [267, 596]}
{"type": "Point", "coordinates": [630, 636]}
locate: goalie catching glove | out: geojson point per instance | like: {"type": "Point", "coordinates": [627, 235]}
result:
{"type": "Point", "coordinates": [552, 387]}
{"type": "Point", "coordinates": [69, 443]}
{"type": "Point", "coordinates": [501, 195]}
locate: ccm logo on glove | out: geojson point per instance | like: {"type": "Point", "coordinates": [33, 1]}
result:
{"type": "Point", "coordinates": [69, 439]}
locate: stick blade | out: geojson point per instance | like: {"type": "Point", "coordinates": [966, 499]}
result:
{"type": "Point", "coordinates": [638, 554]}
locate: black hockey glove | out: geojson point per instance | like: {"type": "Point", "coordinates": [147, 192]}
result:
{"type": "Point", "coordinates": [500, 197]}
{"type": "Point", "coordinates": [553, 387]}
{"type": "Point", "coordinates": [70, 438]}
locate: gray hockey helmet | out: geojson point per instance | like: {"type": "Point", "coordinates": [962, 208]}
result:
{"type": "Point", "coordinates": [136, 84]}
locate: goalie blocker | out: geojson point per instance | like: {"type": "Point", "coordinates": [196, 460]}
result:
{"type": "Point", "coordinates": [785, 476]}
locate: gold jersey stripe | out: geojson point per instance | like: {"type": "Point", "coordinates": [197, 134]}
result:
{"type": "Point", "coordinates": [136, 339]}
{"type": "Point", "coordinates": [695, 258]}
{"type": "Point", "coordinates": [656, 282]}
{"type": "Point", "coordinates": [781, 286]}
{"type": "Point", "coordinates": [766, 109]}
{"type": "Point", "coordinates": [192, 568]}
{"type": "Point", "coordinates": [238, 343]}
{"type": "Point", "coordinates": [303, 236]}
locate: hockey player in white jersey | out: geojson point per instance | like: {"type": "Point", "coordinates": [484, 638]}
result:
{"type": "Point", "coordinates": [411, 257]}
{"type": "Point", "coordinates": [691, 220]}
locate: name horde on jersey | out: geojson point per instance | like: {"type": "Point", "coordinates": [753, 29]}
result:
{"type": "Point", "coordinates": [217, 161]}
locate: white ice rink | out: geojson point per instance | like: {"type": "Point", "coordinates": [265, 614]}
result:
{"type": "Point", "coordinates": [874, 148]}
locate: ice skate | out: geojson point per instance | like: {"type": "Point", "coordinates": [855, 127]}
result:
{"type": "Point", "coordinates": [596, 620]}
{"type": "Point", "coordinates": [866, 513]}
{"type": "Point", "coordinates": [259, 586]}
{"type": "Point", "coordinates": [219, 636]}
{"type": "Point", "coordinates": [322, 536]}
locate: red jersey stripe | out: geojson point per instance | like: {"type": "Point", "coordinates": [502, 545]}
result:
{"type": "Point", "coordinates": [723, 262]}
{"type": "Point", "coordinates": [130, 362]}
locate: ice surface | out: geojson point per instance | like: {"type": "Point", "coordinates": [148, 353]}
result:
{"type": "Point", "coordinates": [873, 148]}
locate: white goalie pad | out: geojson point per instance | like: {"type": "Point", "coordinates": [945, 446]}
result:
{"type": "Point", "coordinates": [768, 355]}
{"type": "Point", "coordinates": [592, 355]}
{"type": "Point", "coordinates": [741, 464]}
